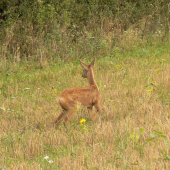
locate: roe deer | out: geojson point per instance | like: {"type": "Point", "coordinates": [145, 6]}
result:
{"type": "Point", "coordinates": [71, 98]}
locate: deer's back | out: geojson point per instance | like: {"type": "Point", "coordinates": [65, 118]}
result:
{"type": "Point", "coordinates": [87, 96]}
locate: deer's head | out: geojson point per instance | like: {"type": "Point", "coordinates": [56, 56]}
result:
{"type": "Point", "coordinates": [87, 68]}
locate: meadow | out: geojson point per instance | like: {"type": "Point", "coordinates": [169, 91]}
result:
{"type": "Point", "coordinates": [41, 42]}
{"type": "Point", "coordinates": [131, 132]}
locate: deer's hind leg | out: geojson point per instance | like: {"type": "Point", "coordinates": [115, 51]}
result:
{"type": "Point", "coordinates": [68, 111]}
{"type": "Point", "coordinates": [65, 116]}
{"type": "Point", "coordinates": [69, 115]}
{"type": "Point", "coordinates": [60, 118]}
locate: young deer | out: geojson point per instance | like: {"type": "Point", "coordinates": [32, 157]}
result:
{"type": "Point", "coordinates": [71, 98]}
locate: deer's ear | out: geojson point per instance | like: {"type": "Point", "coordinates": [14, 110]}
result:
{"type": "Point", "coordinates": [84, 65]}
{"type": "Point", "coordinates": [92, 63]}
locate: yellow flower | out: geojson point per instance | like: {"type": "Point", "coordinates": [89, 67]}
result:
{"type": "Point", "coordinates": [118, 65]}
{"type": "Point", "coordinates": [150, 90]}
{"type": "Point", "coordinates": [55, 91]}
{"type": "Point", "coordinates": [82, 121]}
{"type": "Point", "coordinates": [39, 108]}
{"type": "Point", "coordinates": [156, 70]}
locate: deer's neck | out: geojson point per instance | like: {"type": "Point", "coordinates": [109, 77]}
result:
{"type": "Point", "coordinates": [91, 79]}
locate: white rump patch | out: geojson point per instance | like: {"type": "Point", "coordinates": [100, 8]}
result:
{"type": "Point", "coordinates": [61, 99]}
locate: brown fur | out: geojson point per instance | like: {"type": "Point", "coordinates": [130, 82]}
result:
{"type": "Point", "coordinates": [71, 98]}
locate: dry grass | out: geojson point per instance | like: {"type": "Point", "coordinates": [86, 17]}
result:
{"type": "Point", "coordinates": [131, 133]}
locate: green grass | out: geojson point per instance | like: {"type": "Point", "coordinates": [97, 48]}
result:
{"type": "Point", "coordinates": [133, 129]}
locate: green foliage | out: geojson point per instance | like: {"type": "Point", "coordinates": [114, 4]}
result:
{"type": "Point", "coordinates": [48, 30]}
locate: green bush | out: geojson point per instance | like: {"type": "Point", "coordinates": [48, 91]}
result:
{"type": "Point", "coordinates": [45, 30]}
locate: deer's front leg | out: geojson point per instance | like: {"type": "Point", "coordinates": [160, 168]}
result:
{"type": "Point", "coordinates": [97, 107]}
{"type": "Point", "coordinates": [90, 111]}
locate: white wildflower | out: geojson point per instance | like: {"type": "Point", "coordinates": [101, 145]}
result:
{"type": "Point", "coordinates": [46, 157]}
{"type": "Point", "coordinates": [50, 161]}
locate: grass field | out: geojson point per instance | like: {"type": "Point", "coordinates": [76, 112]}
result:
{"type": "Point", "coordinates": [131, 132]}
